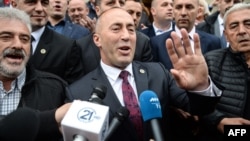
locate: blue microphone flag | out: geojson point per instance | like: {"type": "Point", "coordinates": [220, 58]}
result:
{"type": "Point", "coordinates": [150, 105]}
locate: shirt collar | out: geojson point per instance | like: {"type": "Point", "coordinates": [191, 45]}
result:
{"type": "Point", "coordinates": [220, 20]}
{"type": "Point", "coordinates": [21, 79]}
{"type": "Point", "coordinates": [61, 23]}
{"type": "Point", "coordinates": [159, 31]}
{"type": "Point", "coordinates": [38, 33]}
{"type": "Point", "coordinates": [18, 82]}
{"type": "Point", "coordinates": [113, 73]}
{"type": "Point", "coordinates": [191, 33]}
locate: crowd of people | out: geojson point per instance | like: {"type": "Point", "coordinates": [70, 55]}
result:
{"type": "Point", "coordinates": [195, 59]}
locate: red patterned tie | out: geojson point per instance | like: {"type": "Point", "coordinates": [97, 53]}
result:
{"type": "Point", "coordinates": [131, 103]}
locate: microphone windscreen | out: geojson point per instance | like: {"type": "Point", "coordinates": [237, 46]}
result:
{"type": "Point", "coordinates": [122, 114]}
{"type": "Point", "coordinates": [21, 125]}
{"type": "Point", "coordinates": [150, 105]}
{"type": "Point", "coordinates": [100, 90]}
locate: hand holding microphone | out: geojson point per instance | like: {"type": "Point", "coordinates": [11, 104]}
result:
{"type": "Point", "coordinates": [151, 111]}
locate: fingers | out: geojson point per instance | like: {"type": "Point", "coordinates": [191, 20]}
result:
{"type": "Point", "coordinates": [186, 43]}
{"type": "Point", "coordinates": [245, 122]}
{"type": "Point", "coordinates": [171, 51]}
{"type": "Point", "coordinates": [182, 46]}
{"type": "Point", "coordinates": [143, 26]}
{"type": "Point", "coordinates": [179, 49]}
{"type": "Point", "coordinates": [88, 23]}
{"type": "Point", "coordinates": [197, 47]}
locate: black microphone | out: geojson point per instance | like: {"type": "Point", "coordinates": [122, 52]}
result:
{"type": "Point", "coordinates": [98, 94]}
{"type": "Point", "coordinates": [121, 115]}
{"type": "Point", "coordinates": [151, 110]}
{"type": "Point", "coordinates": [20, 125]}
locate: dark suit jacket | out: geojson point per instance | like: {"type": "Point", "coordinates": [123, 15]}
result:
{"type": "Point", "coordinates": [208, 42]}
{"type": "Point", "coordinates": [58, 54]}
{"type": "Point", "coordinates": [91, 54]}
{"type": "Point", "coordinates": [150, 32]}
{"type": "Point", "coordinates": [74, 31]}
{"type": "Point", "coordinates": [148, 76]}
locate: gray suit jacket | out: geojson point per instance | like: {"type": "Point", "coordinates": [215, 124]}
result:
{"type": "Point", "coordinates": [148, 76]}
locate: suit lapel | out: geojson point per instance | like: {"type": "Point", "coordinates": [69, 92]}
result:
{"type": "Point", "coordinates": [203, 41]}
{"type": "Point", "coordinates": [141, 79]}
{"type": "Point", "coordinates": [43, 46]}
{"type": "Point", "coordinates": [110, 98]}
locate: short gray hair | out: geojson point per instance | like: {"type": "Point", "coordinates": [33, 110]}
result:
{"type": "Point", "coordinates": [235, 7]}
{"type": "Point", "coordinates": [16, 14]}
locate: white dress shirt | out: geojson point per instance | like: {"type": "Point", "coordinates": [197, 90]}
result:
{"type": "Point", "coordinates": [160, 31]}
{"type": "Point", "coordinates": [191, 35]}
{"type": "Point", "coordinates": [36, 35]}
{"type": "Point", "coordinates": [113, 73]}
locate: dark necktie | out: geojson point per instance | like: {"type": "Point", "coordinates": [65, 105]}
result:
{"type": "Point", "coordinates": [31, 47]}
{"type": "Point", "coordinates": [131, 103]}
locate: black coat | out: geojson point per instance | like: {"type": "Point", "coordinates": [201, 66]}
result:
{"type": "Point", "coordinates": [44, 92]}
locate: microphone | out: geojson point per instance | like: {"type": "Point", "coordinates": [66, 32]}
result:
{"type": "Point", "coordinates": [98, 94]}
{"type": "Point", "coordinates": [20, 125]}
{"type": "Point", "coordinates": [87, 120]}
{"type": "Point", "coordinates": [121, 115]}
{"type": "Point", "coordinates": [151, 110]}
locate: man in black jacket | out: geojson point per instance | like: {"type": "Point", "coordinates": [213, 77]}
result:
{"type": "Point", "coordinates": [23, 86]}
{"type": "Point", "coordinates": [230, 68]}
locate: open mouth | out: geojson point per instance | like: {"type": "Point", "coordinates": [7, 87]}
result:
{"type": "Point", "coordinates": [242, 41]}
{"type": "Point", "coordinates": [14, 55]}
{"type": "Point", "coordinates": [57, 7]}
{"type": "Point", "coordinates": [124, 50]}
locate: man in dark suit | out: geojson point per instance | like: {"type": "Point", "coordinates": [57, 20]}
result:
{"type": "Point", "coordinates": [162, 13]}
{"type": "Point", "coordinates": [90, 51]}
{"type": "Point", "coordinates": [52, 51]}
{"type": "Point", "coordinates": [185, 12]}
{"type": "Point", "coordinates": [115, 37]}
{"type": "Point", "coordinates": [58, 22]}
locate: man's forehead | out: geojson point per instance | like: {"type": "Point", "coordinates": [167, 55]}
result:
{"type": "Point", "coordinates": [115, 15]}
{"type": "Point", "coordinates": [244, 15]}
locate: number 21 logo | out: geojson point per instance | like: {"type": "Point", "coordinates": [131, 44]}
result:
{"type": "Point", "coordinates": [86, 114]}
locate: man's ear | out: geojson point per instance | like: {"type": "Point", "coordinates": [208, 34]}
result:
{"type": "Point", "coordinates": [97, 10]}
{"type": "Point", "coordinates": [13, 3]}
{"type": "Point", "coordinates": [97, 40]}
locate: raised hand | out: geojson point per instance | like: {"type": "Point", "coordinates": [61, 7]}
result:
{"type": "Point", "coordinates": [88, 23]}
{"type": "Point", "coordinates": [189, 66]}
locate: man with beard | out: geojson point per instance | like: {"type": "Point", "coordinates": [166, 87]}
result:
{"type": "Point", "coordinates": [23, 86]}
